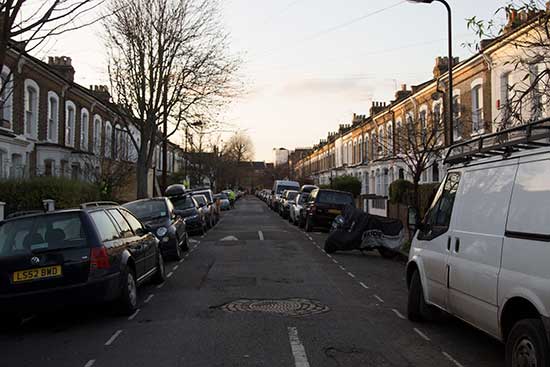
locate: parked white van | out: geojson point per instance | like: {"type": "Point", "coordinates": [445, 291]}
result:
{"type": "Point", "coordinates": [278, 187]}
{"type": "Point", "coordinates": [482, 252]}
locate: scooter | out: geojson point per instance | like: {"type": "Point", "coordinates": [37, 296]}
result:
{"type": "Point", "coordinates": [356, 230]}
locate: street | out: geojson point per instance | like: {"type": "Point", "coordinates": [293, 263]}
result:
{"type": "Point", "coordinates": [346, 309]}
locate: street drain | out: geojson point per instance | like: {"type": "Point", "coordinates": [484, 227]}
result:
{"type": "Point", "coordinates": [295, 307]}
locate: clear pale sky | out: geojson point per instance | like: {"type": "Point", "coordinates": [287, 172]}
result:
{"type": "Point", "coordinates": [310, 64]}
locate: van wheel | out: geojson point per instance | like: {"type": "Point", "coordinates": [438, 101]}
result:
{"type": "Point", "coordinates": [416, 304]}
{"type": "Point", "coordinates": [527, 345]}
{"type": "Point", "coordinates": [160, 274]}
{"type": "Point", "coordinates": [127, 302]}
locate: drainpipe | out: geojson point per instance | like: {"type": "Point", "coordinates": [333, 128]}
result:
{"type": "Point", "coordinates": [2, 212]}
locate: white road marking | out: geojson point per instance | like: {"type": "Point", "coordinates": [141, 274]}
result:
{"type": "Point", "coordinates": [364, 285]}
{"type": "Point", "coordinates": [261, 235]}
{"type": "Point", "coordinates": [193, 241]}
{"type": "Point", "coordinates": [378, 298]}
{"type": "Point", "coordinates": [323, 250]}
{"type": "Point", "coordinates": [335, 261]}
{"type": "Point", "coordinates": [175, 267]}
{"type": "Point", "coordinates": [329, 256]}
{"type": "Point", "coordinates": [351, 274]}
{"type": "Point", "coordinates": [169, 274]}
{"type": "Point", "coordinates": [187, 255]}
{"type": "Point", "coordinates": [311, 239]}
{"type": "Point", "coordinates": [113, 338]}
{"type": "Point", "coordinates": [90, 363]}
{"type": "Point", "coordinates": [181, 261]}
{"type": "Point", "coordinates": [341, 267]}
{"type": "Point", "coordinates": [452, 359]}
{"type": "Point", "coordinates": [229, 238]}
{"type": "Point", "coordinates": [160, 285]}
{"type": "Point", "coordinates": [149, 298]}
{"type": "Point", "coordinates": [132, 316]}
{"type": "Point", "coordinates": [398, 314]}
{"type": "Point", "coordinates": [422, 335]}
{"type": "Point", "coordinates": [298, 350]}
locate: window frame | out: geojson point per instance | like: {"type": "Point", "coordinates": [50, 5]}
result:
{"type": "Point", "coordinates": [70, 126]}
{"type": "Point", "coordinates": [30, 111]}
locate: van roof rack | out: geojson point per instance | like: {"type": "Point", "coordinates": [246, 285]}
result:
{"type": "Point", "coordinates": [98, 204]}
{"type": "Point", "coordinates": [523, 137]}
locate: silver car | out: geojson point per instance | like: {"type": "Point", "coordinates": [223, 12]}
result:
{"type": "Point", "coordinates": [297, 207]}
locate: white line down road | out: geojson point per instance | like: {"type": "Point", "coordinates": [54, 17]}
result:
{"type": "Point", "coordinates": [261, 235]}
{"type": "Point", "coordinates": [298, 350]}
{"type": "Point", "coordinates": [113, 338]}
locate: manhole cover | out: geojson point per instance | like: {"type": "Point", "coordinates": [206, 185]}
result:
{"type": "Point", "coordinates": [287, 307]}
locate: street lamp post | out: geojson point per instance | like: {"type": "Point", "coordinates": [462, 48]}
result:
{"type": "Point", "coordinates": [450, 108]}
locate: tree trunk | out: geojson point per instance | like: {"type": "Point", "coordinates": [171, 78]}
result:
{"type": "Point", "coordinates": [142, 173]}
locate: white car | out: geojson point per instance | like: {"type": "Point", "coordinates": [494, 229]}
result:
{"type": "Point", "coordinates": [297, 207]}
{"type": "Point", "coordinates": [482, 252]}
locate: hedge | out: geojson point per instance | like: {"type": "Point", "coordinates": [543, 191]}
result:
{"type": "Point", "coordinates": [20, 195]}
{"type": "Point", "coordinates": [402, 192]}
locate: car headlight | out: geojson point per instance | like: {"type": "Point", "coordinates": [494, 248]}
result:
{"type": "Point", "coordinates": [161, 232]}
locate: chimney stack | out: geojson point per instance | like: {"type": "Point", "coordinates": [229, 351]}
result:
{"type": "Point", "coordinates": [101, 92]}
{"type": "Point", "coordinates": [63, 66]}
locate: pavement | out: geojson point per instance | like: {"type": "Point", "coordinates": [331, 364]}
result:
{"type": "Point", "coordinates": [256, 291]}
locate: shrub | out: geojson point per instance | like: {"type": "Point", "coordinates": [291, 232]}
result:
{"type": "Point", "coordinates": [28, 194]}
{"type": "Point", "coordinates": [347, 183]}
{"type": "Point", "coordinates": [399, 190]}
{"type": "Point", "coordinates": [402, 192]}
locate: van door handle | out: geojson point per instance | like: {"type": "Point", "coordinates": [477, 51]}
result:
{"type": "Point", "coordinates": [457, 244]}
{"type": "Point", "coordinates": [449, 243]}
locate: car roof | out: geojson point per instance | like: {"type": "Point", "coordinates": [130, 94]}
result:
{"type": "Point", "coordinates": [62, 211]}
{"type": "Point", "coordinates": [332, 190]}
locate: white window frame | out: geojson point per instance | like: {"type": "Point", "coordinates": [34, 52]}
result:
{"type": "Point", "coordinates": [477, 125]}
{"type": "Point", "coordinates": [457, 113]}
{"type": "Point", "coordinates": [70, 126]}
{"type": "Point", "coordinates": [52, 126]}
{"type": "Point", "coordinates": [108, 139]}
{"type": "Point", "coordinates": [96, 141]}
{"type": "Point", "coordinates": [84, 129]}
{"type": "Point", "coordinates": [31, 127]}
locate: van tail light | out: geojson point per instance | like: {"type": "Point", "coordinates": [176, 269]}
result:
{"type": "Point", "coordinates": [100, 258]}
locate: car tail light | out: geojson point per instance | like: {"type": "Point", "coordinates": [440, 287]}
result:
{"type": "Point", "coordinates": [100, 258]}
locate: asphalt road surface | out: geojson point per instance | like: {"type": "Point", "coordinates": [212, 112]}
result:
{"type": "Point", "coordinates": [256, 291]}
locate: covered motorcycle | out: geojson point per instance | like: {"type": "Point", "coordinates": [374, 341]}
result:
{"type": "Point", "coordinates": [356, 230]}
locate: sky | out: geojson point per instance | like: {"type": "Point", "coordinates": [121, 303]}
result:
{"type": "Point", "coordinates": [309, 65]}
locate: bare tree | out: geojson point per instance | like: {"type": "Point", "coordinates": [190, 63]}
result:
{"type": "Point", "coordinates": [418, 143]}
{"type": "Point", "coordinates": [523, 97]}
{"type": "Point", "coordinates": [167, 61]}
{"type": "Point", "coordinates": [239, 148]}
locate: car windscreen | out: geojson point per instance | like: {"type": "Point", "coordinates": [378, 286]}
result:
{"type": "Point", "coordinates": [183, 203]}
{"type": "Point", "coordinates": [303, 198]}
{"type": "Point", "coordinates": [292, 195]}
{"type": "Point", "coordinates": [148, 209]}
{"type": "Point", "coordinates": [331, 197]}
{"type": "Point", "coordinates": [42, 233]}
{"type": "Point", "coordinates": [282, 188]}
{"type": "Point", "coordinates": [207, 194]}
{"type": "Point", "coordinates": [200, 199]}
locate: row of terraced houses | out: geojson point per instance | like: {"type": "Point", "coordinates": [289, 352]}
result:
{"type": "Point", "coordinates": [52, 126]}
{"type": "Point", "coordinates": [482, 88]}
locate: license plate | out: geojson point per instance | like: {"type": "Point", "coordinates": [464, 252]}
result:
{"type": "Point", "coordinates": [335, 211]}
{"type": "Point", "coordinates": [38, 273]}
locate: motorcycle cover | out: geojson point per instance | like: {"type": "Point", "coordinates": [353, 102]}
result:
{"type": "Point", "coordinates": [360, 230]}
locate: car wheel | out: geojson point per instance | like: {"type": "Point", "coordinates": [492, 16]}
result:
{"type": "Point", "coordinates": [160, 275]}
{"type": "Point", "coordinates": [308, 225]}
{"type": "Point", "coordinates": [527, 345]}
{"type": "Point", "coordinates": [127, 302]}
{"type": "Point", "coordinates": [416, 304]}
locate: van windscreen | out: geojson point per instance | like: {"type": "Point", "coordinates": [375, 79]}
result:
{"type": "Point", "coordinates": [41, 233]}
{"type": "Point", "coordinates": [282, 188]}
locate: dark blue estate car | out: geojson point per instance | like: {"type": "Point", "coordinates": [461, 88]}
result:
{"type": "Point", "coordinates": [87, 255]}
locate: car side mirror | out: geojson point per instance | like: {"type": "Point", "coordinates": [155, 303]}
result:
{"type": "Point", "coordinates": [201, 205]}
{"type": "Point", "coordinates": [412, 219]}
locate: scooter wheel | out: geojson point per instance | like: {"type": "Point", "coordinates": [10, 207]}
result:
{"type": "Point", "coordinates": [330, 248]}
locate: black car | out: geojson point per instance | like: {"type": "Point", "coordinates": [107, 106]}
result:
{"type": "Point", "coordinates": [188, 208]}
{"type": "Point", "coordinates": [160, 216]}
{"type": "Point", "coordinates": [78, 256]}
{"type": "Point", "coordinates": [323, 206]}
